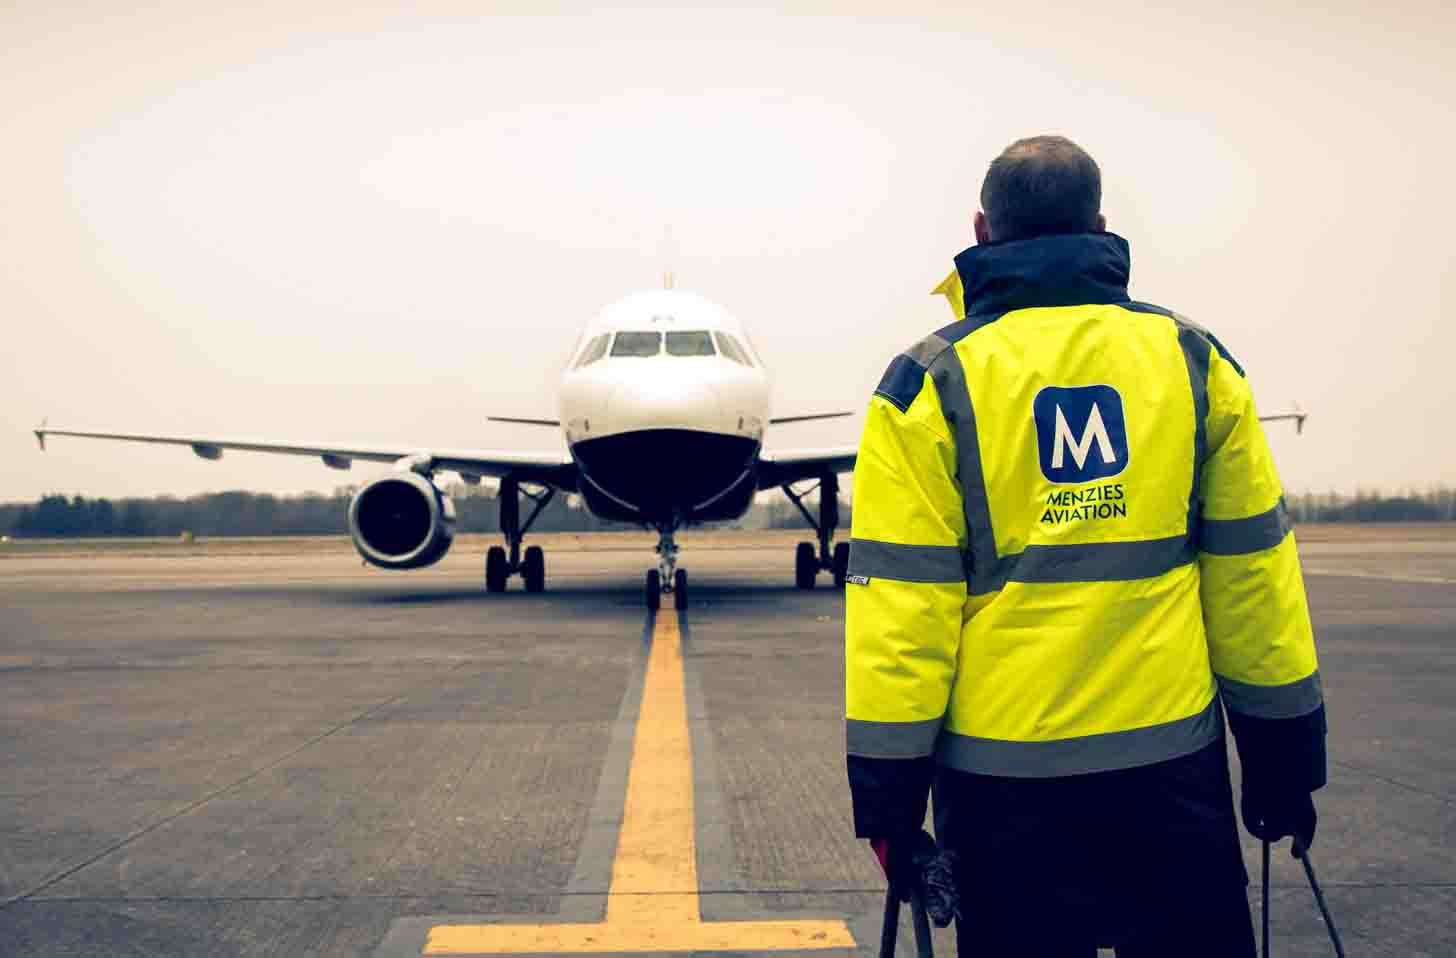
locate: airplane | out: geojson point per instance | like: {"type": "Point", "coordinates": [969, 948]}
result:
{"type": "Point", "coordinates": [663, 407]}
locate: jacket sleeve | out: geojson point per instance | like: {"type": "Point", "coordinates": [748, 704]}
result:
{"type": "Point", "coordinates": [904, 599]}
{"type": "Point", "coordinates": [1255, 612]}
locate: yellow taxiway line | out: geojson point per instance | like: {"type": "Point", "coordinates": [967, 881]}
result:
{"type": "Point", "coordinates": [652, 904]}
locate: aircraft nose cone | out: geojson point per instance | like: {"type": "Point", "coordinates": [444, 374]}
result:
{"type": "Point", "coordinates": [678, 402]}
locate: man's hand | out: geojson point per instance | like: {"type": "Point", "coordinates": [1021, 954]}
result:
{"type": "Point", "coordinates": [915, 863]}
{"type": "Point", "coordinates": [1273, 817]}
{"type": "Point", "coordinates": [896, 862]}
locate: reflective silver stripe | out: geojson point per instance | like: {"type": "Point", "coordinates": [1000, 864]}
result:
{"type": "Point", "coordinates": [1227, 537]}
{"type": "Point", "coordinates": [891, 739]}
{"type": "Point", "coordinates": [1090, 562]}
{"type": "Point", "coordinates": [891, 560]}
{"type": "Point", "coordinates": [1273, 701]}
{"type": "Point", "coordinates": [949, 377]}
{"type": "Point", "coordinates": [925, 352]}
{"type": "Point", "coordinates": [1196, 351]}
{"type": "Point", "coordinates": [1079, 756]}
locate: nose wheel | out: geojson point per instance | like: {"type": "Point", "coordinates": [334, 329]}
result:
{"type": "Point", "coordinates": [667, 578]}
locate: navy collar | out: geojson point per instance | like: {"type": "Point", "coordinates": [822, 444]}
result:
{"type": "Point", "coordinates": [1071, 269]}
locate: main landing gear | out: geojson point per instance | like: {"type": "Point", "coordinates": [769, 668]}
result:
{"type": "Point", "coordinates": [500, 564]}
{"type": "Point", "coordinates": [830, 556]}
{"type": "Point", "coordinates": [667, 577]}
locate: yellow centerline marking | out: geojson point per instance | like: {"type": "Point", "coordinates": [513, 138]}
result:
{"type": "Point", "coordinates": [652, 904]}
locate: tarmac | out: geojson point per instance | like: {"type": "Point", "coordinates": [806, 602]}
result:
{"type": "Point", "coordinates": [267, 749]}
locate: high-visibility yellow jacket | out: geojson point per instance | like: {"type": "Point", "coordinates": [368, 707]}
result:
{"type": "Point", "coordinates": [1069, 539]}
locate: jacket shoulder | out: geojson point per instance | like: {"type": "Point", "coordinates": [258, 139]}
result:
{"type": "Point", "coordinates": [905, 376]}
{"type": "Point", "coordinates": [1184, 323]}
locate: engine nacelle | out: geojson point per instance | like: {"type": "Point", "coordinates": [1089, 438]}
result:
{"type": "Point", "coordinates": [402, 521]}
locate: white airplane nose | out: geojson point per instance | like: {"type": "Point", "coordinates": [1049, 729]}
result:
{"type": "Point", "coordinates": [664, 403]}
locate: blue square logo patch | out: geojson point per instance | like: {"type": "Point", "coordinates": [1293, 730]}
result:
{"type": "Point", "coordinates": [1081, 434]}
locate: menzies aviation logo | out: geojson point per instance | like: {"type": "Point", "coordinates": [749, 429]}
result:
{"type": "Point", "coordinates": [1081, 435]}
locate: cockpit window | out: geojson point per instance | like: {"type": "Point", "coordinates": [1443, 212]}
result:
{"type": "Point", "coordinates": [637, 344]}
{"type": "Point", "coordinates": [695, 343]}
{"type": "Point", "coordinates": [729, 347]}
{"type": "Point", "coordinates": [595, 350]}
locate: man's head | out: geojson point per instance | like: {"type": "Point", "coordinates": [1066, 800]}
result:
{"type": "Point", "coordinates": [1040, 186]}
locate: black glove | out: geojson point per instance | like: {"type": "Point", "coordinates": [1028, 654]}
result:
{"type": "Point", "coordinates": [914, 862]}
{"type": "Point", "coordinates": [1273, 817]}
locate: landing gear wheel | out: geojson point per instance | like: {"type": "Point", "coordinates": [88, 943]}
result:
{"type": "Point", "coordinates": [533, 569]}
{"type": "Point", "coordinates": [680, 589]}
{"type": "Point", "coordinates": [495, 569]}
{"type": "Point", "coordinates": [806, 565]}
{"type": "Point", "coordinates": [652, 592]}
{"type": "Point", "coordinates": [841, 564]}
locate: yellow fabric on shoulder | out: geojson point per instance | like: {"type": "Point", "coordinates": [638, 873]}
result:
{"type": "Point", "coordinates": [1239, 477]}
{"type": "Point", "coordinates": [904, 486]}
{"type": "Point", "coordinates": [954, 293]}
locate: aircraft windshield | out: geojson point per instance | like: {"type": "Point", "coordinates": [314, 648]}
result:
{"type": "Point", "coordinates": [695, 343]}
{"type": "Point", "coordinates": [637, 344]}
{"type": "Point", "coordinates": [596, 350]}
{"type": "Point", "coordinates": [729, 347]}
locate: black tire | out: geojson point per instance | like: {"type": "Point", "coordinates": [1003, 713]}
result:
{"type": "Point", "coordinates": [680, 589]}
{"type": "Point", "coordinates": [806, 565]}
{"type": "Point", "coordinates": [841, 564]}
{"type": "Point", "coordinates": [652, 592]}
{"type": "Point", "coordinates": [533, 569]}
{"type": "Point", "coordinates": [495, 569]}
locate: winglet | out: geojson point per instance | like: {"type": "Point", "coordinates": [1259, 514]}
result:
{"type": "Point", "coordinates": [1298, 415]}
{"type": "Point", "coordinates": [40, 434]}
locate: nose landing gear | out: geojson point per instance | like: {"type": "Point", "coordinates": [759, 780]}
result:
{"type": "Point", "coordinates": [829, 556]}
{"type": "Point", "coordinates": [500, 565]}
{"type": "Point", "coordinates": [667, 577]}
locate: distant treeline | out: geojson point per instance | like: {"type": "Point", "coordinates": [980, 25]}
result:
{"type": "Point", "coordinates": [260, 514]}
{"type": "Point", "coordinates": [1434, 505]}
{"type": "Point", "coordinates": [243, 514]}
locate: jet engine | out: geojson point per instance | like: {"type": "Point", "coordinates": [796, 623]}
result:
{"type": "Point", "coordinates": [402, 521]}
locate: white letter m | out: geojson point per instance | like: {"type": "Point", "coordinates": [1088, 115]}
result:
{"type": "Point", "coordinates": [1062, 438]}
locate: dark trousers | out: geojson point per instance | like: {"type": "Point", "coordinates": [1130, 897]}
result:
{"type": "Point", "coordinates": [1146, 860]}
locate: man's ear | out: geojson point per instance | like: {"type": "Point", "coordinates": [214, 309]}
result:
{"type": "Point", "coordinates": [983, 229]}
{"type": "Point", "coordinates": [1101, 223]}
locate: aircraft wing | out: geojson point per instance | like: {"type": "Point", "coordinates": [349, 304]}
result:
{"type": "Point", "coordinates": [1298, 416]}
{"type": "Point", "coordinates": [552, 469]}
{"type": "Point", "coordinates": [777, 468]}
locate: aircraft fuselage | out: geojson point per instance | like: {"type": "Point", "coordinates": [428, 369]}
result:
{"type": "Point", "coordinates": [663, 406]}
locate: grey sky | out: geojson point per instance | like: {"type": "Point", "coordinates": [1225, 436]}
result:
{"type": "Point", "coordinates": [373, 224]}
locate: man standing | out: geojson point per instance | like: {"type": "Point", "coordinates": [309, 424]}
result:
{"type": "Point", "coordinates": [1069, 547]}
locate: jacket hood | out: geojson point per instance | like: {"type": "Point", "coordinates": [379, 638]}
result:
{"type": "Point", "coordinates": [1064, 270]}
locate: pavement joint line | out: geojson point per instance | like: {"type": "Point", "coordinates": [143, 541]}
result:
{"type": "Point", "coordinates": [1380, 576]}
{"type": "Point", "coordinates": [193, 806]}
{"type": "Point", "coordinates": [653, 902]}
{"type": "Point", "coordinates": [1445, 799]}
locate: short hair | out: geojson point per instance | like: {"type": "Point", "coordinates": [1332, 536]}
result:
{"type": "Point", "coordinates": [1040, 186]}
